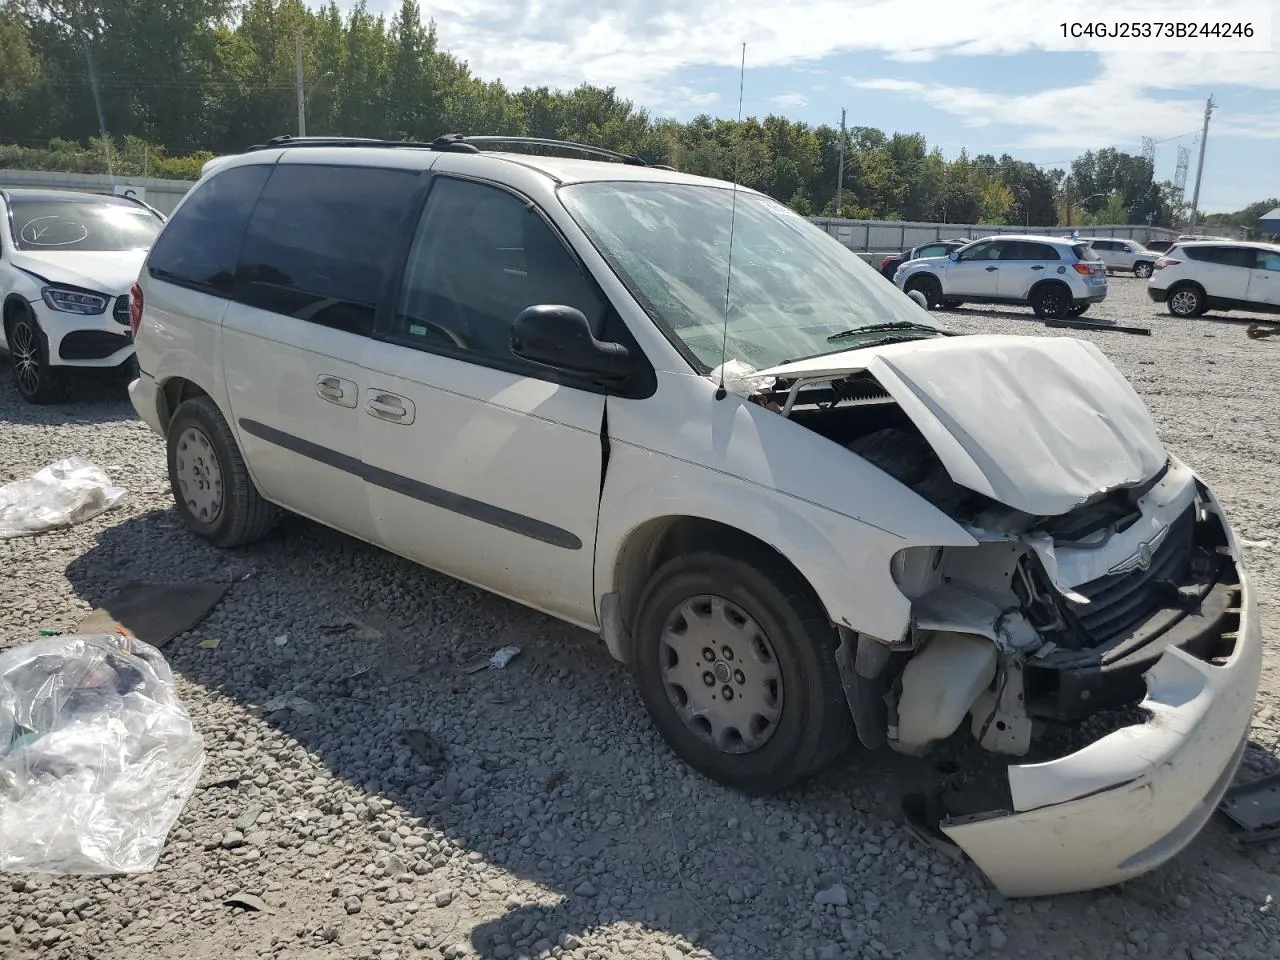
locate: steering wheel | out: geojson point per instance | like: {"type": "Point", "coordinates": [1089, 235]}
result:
{"type": "Point", "coordinates": [444, 333]}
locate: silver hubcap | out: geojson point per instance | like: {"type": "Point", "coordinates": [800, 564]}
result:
{"type": "Point", "coordinates": [199, 475]}
{"type": "Point", "coordinates": [26, 356]}
{"type": "Point", "coordinates": [721, 674]}
{"type": "Point", "coordinates": [1143, 270]}
{"type": "Point", "coordinates": [1184, 302]}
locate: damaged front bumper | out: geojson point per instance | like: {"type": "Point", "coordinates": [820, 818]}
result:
{"type": "Point", "coordinates": [1133, 799]}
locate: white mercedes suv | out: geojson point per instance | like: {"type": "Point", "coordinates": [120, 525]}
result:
{"type": "Point", "coordinates": [801, 516]}
{"type": "Point", "coordinates": [1057, 278]}
{"type": "Point", "coordinates": [67, 262]}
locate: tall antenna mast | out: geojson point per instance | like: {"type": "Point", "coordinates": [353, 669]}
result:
{"type": "Point", "coordinates": [1204, 135]}
{"type": "Point", "coordinates": [733, 216]}
{"type": "Point", "coordinates": [840, 169]}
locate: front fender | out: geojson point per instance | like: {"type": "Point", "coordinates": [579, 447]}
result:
{"type": "Point", "coordinates": [846, 561]}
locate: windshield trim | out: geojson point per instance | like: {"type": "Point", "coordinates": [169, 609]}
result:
{"type": "Point", "coordinates": [102, 200]}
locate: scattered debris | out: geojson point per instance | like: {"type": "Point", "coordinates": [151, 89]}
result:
{"type": "Point", "coordinates": [247, 901]}
{"type": "Point", "coordinates": [1257, 331]}
{"type": "Point", "coordinates": [209, 643]}
{"type": "Point", "coordinates": [1076, 324]}
{"type": "Point", "coordinates": [424, 746]}
{"type": "Point", "coordinates": [98, 759]}
{"type": "Point", "coordinates": [498, 661]}
{"type": "Point", "coordinates": [155, 613]}
{"type": "Point", "coordinates": [220, 782]}
{"type": "Point", "coordinates": [1260, 544]}
{"type": "Point", "coordinates": [1255, 807]}
{"type": "Point", "coordinates": [49, 632]}
{"type": "Point", "coordinates": [239, 572]}
{"type": "Point", "coordinates": [281, 640]}
{"type": "Point", "coordinates": [67, 492]}
{"type": "Point", "coordinates": [553, 781]}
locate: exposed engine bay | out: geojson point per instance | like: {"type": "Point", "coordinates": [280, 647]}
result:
{"type": "Point", "coordinates": [1049, 618]}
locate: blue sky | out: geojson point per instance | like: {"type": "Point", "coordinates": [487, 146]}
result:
{"type": "Point", "coordinates": [992, 76]}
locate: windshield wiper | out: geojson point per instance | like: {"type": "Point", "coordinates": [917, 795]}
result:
{"type": "Point", "coordinates": [882, 327]}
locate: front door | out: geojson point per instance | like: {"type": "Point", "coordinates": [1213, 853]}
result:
{"type": "Point", "coordinates": [975, 272]}
{"type": "Point", "coordinates": [482, 465]}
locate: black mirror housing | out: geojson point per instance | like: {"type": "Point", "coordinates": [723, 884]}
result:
{"type": "Point", "coordinates": [560, 336]}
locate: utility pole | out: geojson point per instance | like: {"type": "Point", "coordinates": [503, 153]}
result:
{"type": "Point", "coordinates": [302, 103]}
{"type": "Point", "coordinates": [1204, 135]}
{"type": "Point", "coordinates": [840, 171]}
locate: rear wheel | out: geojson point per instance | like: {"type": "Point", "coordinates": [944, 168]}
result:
{"type": "Point", "coordinates": [1143, 269]}
{"type": "Point", "coordinates": [1051, 301]}
{"type": "Point", "coordinates": [927, 287]}
{"type": "Point", "coordinates": [736, 666]}
{"type": "Point", "coordinates": [1079, 309]}
{"type": "Point", "coordinates": [36, 379]}
{"type": "Point", "coordinates": [210, 481]}
{"type": "Point", "coordinates": [1186, 301]}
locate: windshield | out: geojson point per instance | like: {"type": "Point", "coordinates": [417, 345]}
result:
{"type": "Point", "coordinates": [82, 225]}
{"type": "Point", "coordinates": [793, 285]}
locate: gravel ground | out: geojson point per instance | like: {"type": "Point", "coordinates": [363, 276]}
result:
{"type": "Point", "coordinates": [556, 822]}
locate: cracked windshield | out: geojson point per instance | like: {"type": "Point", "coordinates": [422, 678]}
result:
{"type": "Point", "coordinates": [573, 481]}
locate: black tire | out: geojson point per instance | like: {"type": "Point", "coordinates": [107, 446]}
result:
{"type": "Point", "coordinates": [37, 381]}
{"type": "Point", "coordinates": [1143, 269]}
{"type": "Point", "coordinates": [1051, 301]}
{"type": "Point", "coordinates": [242, 515]}
{"type": "Point", "coordinates": [928, 287]}
{"type": "Point", "coordinates": [814, 725]}
{"type": "Point", "coordinates": [1080, 309]}
{"type": "Point", "coordinates": [1186, 301]}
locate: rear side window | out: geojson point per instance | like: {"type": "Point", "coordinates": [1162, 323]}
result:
{"type": "Point", "coordinates": [1103, 245]}
{"type": "Point", "coordinates": [1085, 252]}
{"type": "Point", "coordinates": [1223, 256]}
{"type": "Point", "coordinates": [197, 247]}
{"type": "Point", "coordinates": [320, 240]}
{"type": "Point", "coordinates": [1267, 260]}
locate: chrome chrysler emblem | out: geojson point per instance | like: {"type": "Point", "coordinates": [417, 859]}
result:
{"type": "Point", "coordinates": [1141, 559]}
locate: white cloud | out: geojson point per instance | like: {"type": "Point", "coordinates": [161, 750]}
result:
{"type": "Point", "coordinates": [789, 100]}
{"type": "Point", "coordinates": [635, 47]}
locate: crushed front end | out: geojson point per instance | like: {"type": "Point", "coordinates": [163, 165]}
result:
{"type": "Point", "coordinates": [1137, 597]}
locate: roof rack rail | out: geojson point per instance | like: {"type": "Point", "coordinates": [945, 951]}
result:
{"type": "Point", "coordinates": [133, 197]}
{"type": "Point", "coordinates": [569, 145]}
{"type": "Point", "coordinates": [449, 143]}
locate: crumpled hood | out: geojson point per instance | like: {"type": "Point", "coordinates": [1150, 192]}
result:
{"type": "Point", "coordinates": [110, 272]}
{"type": "Point", "coordinates": [1040, 424]}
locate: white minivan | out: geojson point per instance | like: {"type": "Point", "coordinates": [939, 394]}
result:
{"type": "Point", "coordinates": [800, 512]}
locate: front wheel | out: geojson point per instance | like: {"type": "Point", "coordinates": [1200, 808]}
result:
{"type": "Point", "coordinates": [210, 482]}
{"type": "Point", "coordinates": [1051, 302]}
{"type": "Point", "coordinates": [36, 379]}
{"type": "Point", "coordinates": [1143, 270]}
{"type": "Point", "coordinates": [736, 666]}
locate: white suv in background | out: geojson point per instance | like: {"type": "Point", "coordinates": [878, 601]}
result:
{"type": "Point", "coordinates": [67, 261]}
{"type": "Point", "coordinates": [810, 517]}
{"type": "Point", "coordinates": [1127, 256]}
{"type": "Point", "coordinates": [1196, 277]}
{"type": "Point", "coordinates": [1057, 278]}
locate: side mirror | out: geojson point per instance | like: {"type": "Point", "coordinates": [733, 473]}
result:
{"type": "Point", "coordinates": [560, 337]}
{"type": "Point", "coordinates": [953, 256]}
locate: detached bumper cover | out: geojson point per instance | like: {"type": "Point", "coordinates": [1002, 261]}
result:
{"type": "Point", "coordinates": [1132, 800]}
{"type": "Point", "coordinates": [144, 394]}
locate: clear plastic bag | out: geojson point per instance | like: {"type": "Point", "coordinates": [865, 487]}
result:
{"type": "Point", "coordinates": [97, 756]}
{"type": "Point", "coordinates": [66, 492]}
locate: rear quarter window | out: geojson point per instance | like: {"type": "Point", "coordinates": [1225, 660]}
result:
{"type": "Point", "coordinates": [1083, 251]}
{"type": "Point", "coordinates": [198, 246]}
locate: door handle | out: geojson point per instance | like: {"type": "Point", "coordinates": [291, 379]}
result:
{"type": "Point", "coordinates": [336, 390]}
{"type": "Point", "coordinates": [389, 406]}
{"type": "Point", "coordinates": [1038, 266]}
{"type": "Point", "coordinates": [989, 269]}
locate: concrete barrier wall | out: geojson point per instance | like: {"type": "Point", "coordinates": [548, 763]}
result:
{"type": "Point", "coordinates": [870, 236]}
